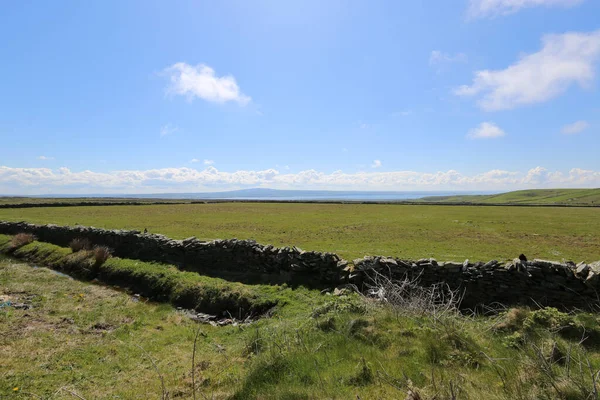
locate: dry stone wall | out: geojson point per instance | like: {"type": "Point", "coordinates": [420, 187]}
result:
{"type": "Point", "coordinates": [240, 260]}
{"type": "Point", "coordinates": [537, 282]}
{"type": "Point", "coordinates": [559, 284]}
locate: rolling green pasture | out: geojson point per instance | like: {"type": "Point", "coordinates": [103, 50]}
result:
{"type": "Point", "coordinates": [535, 196]}
{"type": "Point", "coordinates": [355, 230]}
{"type": "Point", "coordinates": [4, 200]}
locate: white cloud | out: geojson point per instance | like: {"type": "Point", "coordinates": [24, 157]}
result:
{"type": "Point", "coordinates": [575, 127]}
{"type": "Point", "coordinates": [63, 180]}
{"type": "Point", "coordinates": [403, 113]}
{"type": "Point", "coordinates": [201, 81]}
{"type": "Point", "coordinates": [376, 164]}
{"type": "Point", "coordinates": [486, 130]}
{"type": "Point", "coordinates": [438, 57]}
{"type": "Point", "coordinates": [563, 61]}
{"type": "Point", "coordinates": [205, 162]}
{"type": "Point", "coordinates": [44, 158]}
{"type": "Point", "coordinates": [168, 129]}
{"type": "Point", "coordinates": [492, 8]}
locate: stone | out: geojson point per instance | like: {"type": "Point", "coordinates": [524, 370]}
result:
{"type": "Point", "coordinates": [520, 265]}
{"type": "Point", "coordinates": [592, 279]}
{"type": "Point", "coordinates": [595, 266]}
{"type": "Point", "coordinates": [388, 262]}
{"type": "Point", "coordinates": [341, 292]}
{"type": "Point", "coordinates": [582, 270]}
{"type": "Point", "coordinates": [452, 265]}
{"type": "Point", "coordinates": [548, 264]}
{"type": "Point", "coordinates": [297, 267]}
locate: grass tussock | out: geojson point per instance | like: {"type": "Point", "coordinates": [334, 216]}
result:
{"type": "Point", "coordinates": [101, 254]}
{"type": "Point", "coordinates": [79, 244]}
{"type": "Point", "coordinates": [21, 240]}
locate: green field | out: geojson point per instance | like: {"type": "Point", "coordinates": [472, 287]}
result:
{"type": "Point", "coordinates": [356, 230]}
{"type": "Point", "coordinates": [573, 197]}
{"type": "Point", "coordinates": [52, 200]}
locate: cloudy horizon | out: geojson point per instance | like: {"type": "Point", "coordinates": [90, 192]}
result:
{"type": "Point", "coordinates": [39, 181]}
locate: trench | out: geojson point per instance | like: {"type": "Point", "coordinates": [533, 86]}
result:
{"type": "Point", "coordinates": [203, 298]}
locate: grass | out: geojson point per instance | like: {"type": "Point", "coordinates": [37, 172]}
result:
{"type": "Point", "coordinates": [51, 200]}
{"type": "Point", "coordinates": [90, 341]}
{"type": "Point", "coordinates": [356, 230]}
{"type": "Point", "coordinates": [529, 197]}
{"type": "Point", "coordinates": [155, 281]}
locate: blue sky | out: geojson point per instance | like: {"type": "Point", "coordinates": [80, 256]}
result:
{"type": "Point", "coordinates": [145, 97]}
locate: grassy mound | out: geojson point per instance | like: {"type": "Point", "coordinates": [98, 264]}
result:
{"type": "Point", "coordinates": [164, 283]}
{"type": "Point", "coordinates": [575, 197]}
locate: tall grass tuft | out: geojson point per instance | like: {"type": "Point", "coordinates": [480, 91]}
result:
{"type": "Point", "coordinates": [21, 240]}
{"type": "Point", "coordinates": [79, 244]}
{"type": "Point", "coordinates": [101, 254]}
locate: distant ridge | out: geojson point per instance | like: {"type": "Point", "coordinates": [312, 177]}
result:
{"type": "Point", "coordinates": [526, 197]}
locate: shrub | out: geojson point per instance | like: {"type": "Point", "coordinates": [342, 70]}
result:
{"type": "Point", "coordinates": [549, 318]}
{"type": "Point", "coordinates": [512, 320]}
{"type": "Point", "coordinates": [409, 297]}
{"type": "Point", "coordinates": [101, 254]}
{"type": "Point", "coordinates": [79, 244]}
{"type": "Point", "coordinates": [350, 304]}
{"type": "Point", "coordinates": [21, 240]}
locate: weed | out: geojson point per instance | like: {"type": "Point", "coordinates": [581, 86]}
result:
{"type": "Point", "coordinates": [79, 244]}
{"type": "Point", "coordinates": [512, 320]}
{"type": "Point", "coordinates": [21, 240]}
{"type": "Point", "coordinates": [436, 351]}
{"type": "Point", "coordinates": [344, 304]}
{"type": "Point", "coordinates": [254, 344]}
{"type": "Point", "coordinates": [101, 254]}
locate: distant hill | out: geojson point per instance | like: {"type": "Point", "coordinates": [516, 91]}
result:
{"type": "Point", "coordinates": [534, 196]}
{"type": "Point", "coordinates": [251, 194]}
{"type": "Point", "coordinates": [573, 197]}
